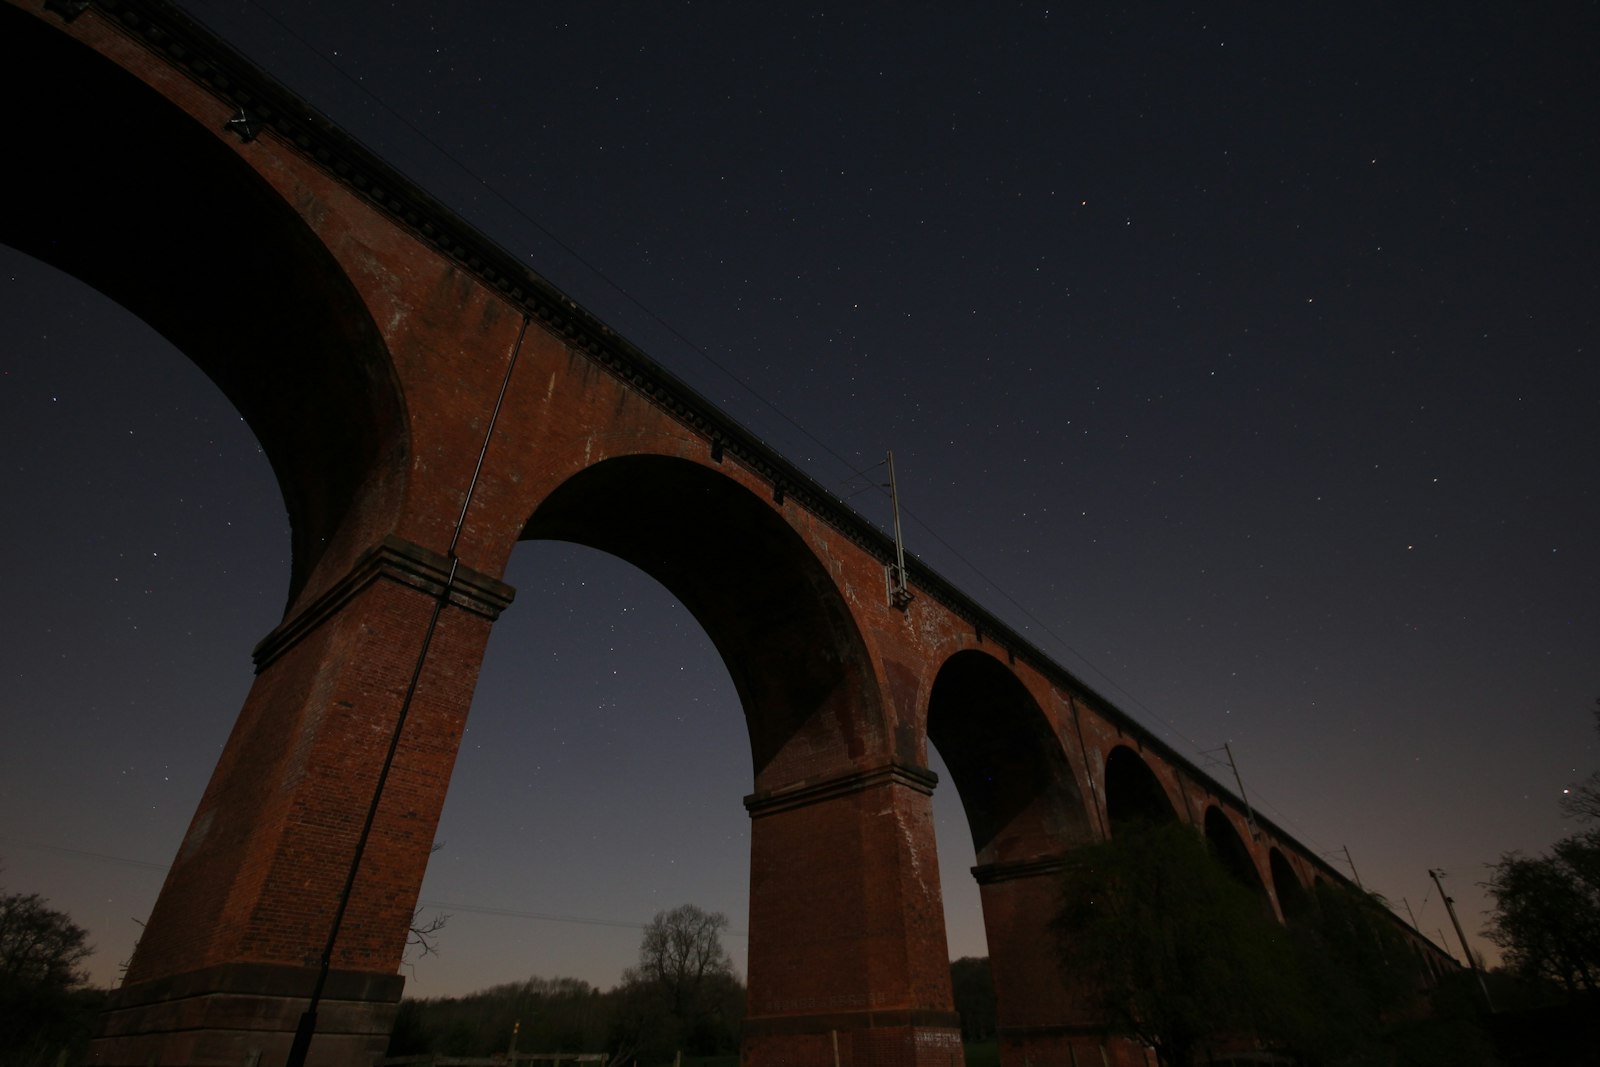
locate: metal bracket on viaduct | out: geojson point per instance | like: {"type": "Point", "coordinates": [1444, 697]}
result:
{"type": "Point", "coordinates": [427, 402]}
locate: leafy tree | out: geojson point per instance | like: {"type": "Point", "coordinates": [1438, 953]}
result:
{"type": "Point", "coordinates": [45, 1003]}
{"type": "Point", "coordinates": [1358, 975]}
{"type": "Point", "coordinates": [1547, 908]}
{"type": "Point", "coordinates": [1547, 913]}
{"type": "Point", "coordinates": [554, 1014]}
{"type": "Point", "coordinates": [38, 945]}
{"type": "Point", "coordinates": [972, 987]}
{"type": "Point", "coordinates": [684, 994]}
{"type": "Point", "coordinates": [638, 1020]}
{"type": "Point", "coordinates": [682, 949]}
{"type": "Point", "coordinates": [424, 935]}
{"type": "Point", "coordinates": [1583, 801]}
{"type": "Point", "coordinates": [643, 1025]}
{"type": "Point", "coordinates": [1176, 952]}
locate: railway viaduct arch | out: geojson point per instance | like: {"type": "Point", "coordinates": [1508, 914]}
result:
{"type": "Point", "coordinates": [426, 402]}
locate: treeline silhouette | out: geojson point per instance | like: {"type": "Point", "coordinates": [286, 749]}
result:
{"type": "Point", "coordinates": [636, 1021]}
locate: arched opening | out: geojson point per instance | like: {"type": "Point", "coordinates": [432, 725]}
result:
{"type": "Point", "coordinates": [963, 904]}
{"type": "Point", "coordinates": [1292, 896]}
{"type": "Point", "coordinates": [769, 607]}
{"type": "Point", "coordinates": [598, 782]}
{"type": "Point", "coordinates": [1134, 795]}
{"type": "Point", "coordinates": [150, 554]}
{"type": "Point", "coordinates": [120, 189]}
{"type": "Point", "coordinates": [1023, 812]}
{"type": "Point", "coordinates": [833, 821]}
{"type": "Point", "coordinates": [165, 219]}
{"type": "Point", "coordinates": [1018, 790]}
{"type": "Point", "coordinates": [602, 770]}
{"type": "Point", "coordinates": [1230, 848]}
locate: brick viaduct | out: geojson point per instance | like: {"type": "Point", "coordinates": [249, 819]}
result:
{"type": "Point", "coordinates": [426, 402]}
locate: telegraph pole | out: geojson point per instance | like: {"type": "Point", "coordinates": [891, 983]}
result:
{"type": "Point", "coordinates": [895, 578]}
{"type": "Point", "coordinates": [1353, 870]}
{"type": "Point", "coordinates": [1249, 816]}
{"type": "Point", "coordinates": [300, 1049]}
{"type": "Point", "coordinates": [1472, 961]}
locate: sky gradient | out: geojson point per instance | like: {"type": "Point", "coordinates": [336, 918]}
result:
{"type": "Point", "coordinates": [1243, 361]}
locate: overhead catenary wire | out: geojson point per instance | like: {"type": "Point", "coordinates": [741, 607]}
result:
{"type": "Point", "coordinates": [567, 248]}
{"type": "Point", "coordinates": [301, 1047]}
{"type": "Point", "coordinates": [701, 352]}
{"type": "Point", "coordinates": [449, 905]}
{"type": "Point", "coordinates": [540, 916]}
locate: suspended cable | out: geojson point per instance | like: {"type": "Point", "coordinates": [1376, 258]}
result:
{"type": "Point", "coordinates": [454, 906]}
{"type": "Point", "coordinates": [749, 389]}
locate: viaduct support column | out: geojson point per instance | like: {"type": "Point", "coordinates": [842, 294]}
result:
{"type": "Point", "coordinates": [232, 950]}
{"type": "Point", "coordinates": [848, 958]}
{"type": "Point", "coordinates": [1044, 1021]}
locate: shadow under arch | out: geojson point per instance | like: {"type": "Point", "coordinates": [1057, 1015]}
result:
{"type": "Point", "coordinates": [1230, 848]}
{"type": "Point", "coordinates": [1293, 899]}
{"type": "Point", "coordinates": [127, 193]}
{"type": "Point", "coordinates": [1025, 813]}
{"type": "Point", "coordinates": [1134, 795]}
{"type": "Point", "coordinates": [1019, 792]}
{"type": "Point", "coordinates": [768, 605]}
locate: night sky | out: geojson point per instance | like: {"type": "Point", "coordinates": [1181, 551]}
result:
{"type": "Point", "coordinates": [1243, 359]}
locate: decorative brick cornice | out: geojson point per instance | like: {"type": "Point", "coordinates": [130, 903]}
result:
{"type": "Point", "coordinates": [1044, 867]}
{"type": "Point", "coordinates": [919, 779]}
{"type": "Point", "coordinates": [397, 560]}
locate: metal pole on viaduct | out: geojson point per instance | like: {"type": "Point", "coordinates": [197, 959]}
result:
{"type": "Point", "coordinates": [416, 441]}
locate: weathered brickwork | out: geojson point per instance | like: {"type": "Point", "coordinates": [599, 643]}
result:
{"type": "Point", "coordinates": [476, 407]}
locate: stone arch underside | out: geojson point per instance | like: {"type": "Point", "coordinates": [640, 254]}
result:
{"type": "Point", "coordinates": [1230, 848]}
{"type": "Point", "coordinates": [763, 597]}
{"type": "Point", "coordinates": [1293, 899]}
{"type": "Point", "coordinates": [1025, 812]}
{"type": "Point", "coordinates": [1016, 785]}
{"type": "Point", "coordinates": [847, 951]}
{"type": "Point", "coordinates": [126, 192]}
{"type": "Point", "coordinates": [123, 189]}
{"type": "Point", "coordinates": [1134, 795]}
